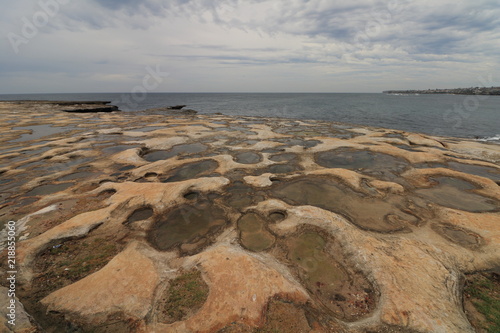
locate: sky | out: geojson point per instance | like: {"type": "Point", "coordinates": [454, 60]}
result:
{"type": "Point", "coordinates": [64, 46]}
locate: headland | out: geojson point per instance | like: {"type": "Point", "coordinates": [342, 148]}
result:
{"type": "Point", "coordinates": [454, 91]}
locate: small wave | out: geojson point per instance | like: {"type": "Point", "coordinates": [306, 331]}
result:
{"type": "Point", "coordinates": [494, 139]}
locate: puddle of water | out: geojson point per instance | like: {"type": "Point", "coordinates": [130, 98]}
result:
{"type": "Point", "coordinates": [284, 168]}
{"type": "Point", "coordinates": [147, 129]}
{"type": "Point", "coordinates": [253, 233]}
{"type": "Point", "coordinates": [158, 155]}
{"type": "Point", "coordinates": [277, 216]}
{"type": "Point", "coordinates": [298, 142]}
{"type": "Point", "coordinates": [458, 235]}
{"type": "Point", "coordinates": [365, 161]}
{"type": "Point", "coordinates": [127, 167]}
{"type": "Point", "coordinates": [242, 143]}
{"type": "Point", "coordinates": [286, 157]}
{"type": "Point", "coordinates": [188, 224]}
{"type": "Point", "coordinates": [407, 148]}
{"type": "Point", "coordinates": [343, 293]}
{"type": "Point", "coordinates": [431, 165]}
{"type": "Point", "coordinates": [33, 164]}
{"type": "Point", "coordinates": [117, 149]}
{"type": "Point", "coordinates": [48, 189]}
{"type": "Point", "coordinates": [5, 181]}
{"type": "Point", "coordinates": [191, 195]}
{"type": "Point", "coordinates": [233, 128]}
{"type": "Point", "coordinates": [248, 158]}
{"type": "Point", "coordinates": [190, 171]}
{"type": "Point", "coordinates": [63, 165]}
{"type": "Point", "coordinates": [455, 193]}
{"type": "Point", "coordinates": [77, 175]}
{"type": "Point", "coordinates": [239, 196]}
{"type": "Point", "coordinates": [39, 131]}
{"type": "Point", "coordinates": [373, 214]}
{"type": "Point", "coordinates": [478, 170]}
{"type": "Point", "coordinates": [140, 215]}
{"type": "Point", "coordinates": [187, 149]}
{"type": "Point", "coordinates": [7, 150]}
{"type": "Point", "coordinates": [38, 151]}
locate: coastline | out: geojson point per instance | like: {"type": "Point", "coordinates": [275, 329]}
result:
{"type": "Point", "coordinates": [256, 195]}
{"type": "Point", "coordinates": [492, 91]}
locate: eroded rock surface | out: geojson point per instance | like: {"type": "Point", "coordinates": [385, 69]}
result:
{"type": "Point", "coordinates": [282, 225]}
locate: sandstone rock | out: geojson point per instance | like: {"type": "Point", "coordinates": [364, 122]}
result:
{"type": "Point", "coordinates": [124, 286]}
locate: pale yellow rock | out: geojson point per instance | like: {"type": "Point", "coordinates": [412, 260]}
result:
{"type": "Point", "coordinates": [263, 180]}
{"type": "Point", "coordinates": [129, 156]}
{"type": "Point", "coordinates": [164, 143]}
{"type": "Point", "coordinates": [125, 285]}
{"type": "Point", "coordinates": [418, 139]}
{"type": "Point", "coordinates": [387, 186]}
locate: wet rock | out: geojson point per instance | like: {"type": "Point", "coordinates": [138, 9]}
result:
{"type": "Point", "coordinates": [109, 108]}
{"type": "Point", "coordinates": [177, 107]}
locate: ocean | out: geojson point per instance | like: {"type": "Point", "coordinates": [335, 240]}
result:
{"type": "Point", "coordinates": [462, 116]}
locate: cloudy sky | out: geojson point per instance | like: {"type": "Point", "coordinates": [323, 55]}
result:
{"type": "Point", "coordinates": [247, 45]}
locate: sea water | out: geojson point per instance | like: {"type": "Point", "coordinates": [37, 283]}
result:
{"type": "Point", "coordinates": [448, 115]}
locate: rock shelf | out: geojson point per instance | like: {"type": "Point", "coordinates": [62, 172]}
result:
{"type": "Point", "coordinates": [157, 222]}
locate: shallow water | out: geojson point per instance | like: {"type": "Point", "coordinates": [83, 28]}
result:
{"type": "Point", "coordinates": [360, 160]}
{"type": "Point", "coordinates": [186, 224]}
{"type": "Point", "coordinates": [117, 149]}
{"type": "Point", "coordinates": [455, 193]}
{"type": "Point", "coordinates": [146, 129]}
{"type": "Point", "coordinates": [327, 279]}
{"type": "Point", "coordinates": [178, 150]}
{"type": "Point", "coordinates": [253, 233]}
{"type": "Point", "coordinates": [478, 170]}
{"type": "Point", "coordinates": [458, 235]}
{"type": "Point", "coordinates": [48, 189]}
{"type": "Point", "coordinates": [39, 131]}
{"type": "Point", "coordinates": [140, 214]}
{"type": "Point", "coordinates": [239, 195]}
{"type": "Point", "coordinates": [286, 157]}
{"type": "Point", "coordinates": [367, 213]}
{"type": "Point", "coordinates": [423, 113]}
{"type": "Point", "coordinates": [77, 175]}
{"type": "Point", "coordinates": [284, 168]}
{"type": "Point", "coordinates": [190, 171]}
{"type": "Point", "coordinates": [247, 158]}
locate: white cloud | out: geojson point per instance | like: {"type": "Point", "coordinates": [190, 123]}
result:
{"type": "Point", "coordinates": [260, 45]}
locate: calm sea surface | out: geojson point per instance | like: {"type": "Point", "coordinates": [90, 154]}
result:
{"type": "Point", "coordinates": [449, 115]}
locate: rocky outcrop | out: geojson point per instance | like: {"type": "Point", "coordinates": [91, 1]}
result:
{"type": "Point", "coordinates": [177, 107]}
{"type": "Point", "coordinates": [347, 230]}
{"type": "Point", "coordinates": [92, 109]}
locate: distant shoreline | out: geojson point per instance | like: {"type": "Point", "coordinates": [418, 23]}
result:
{"type": "Point", "coordinates": [456, 91]}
